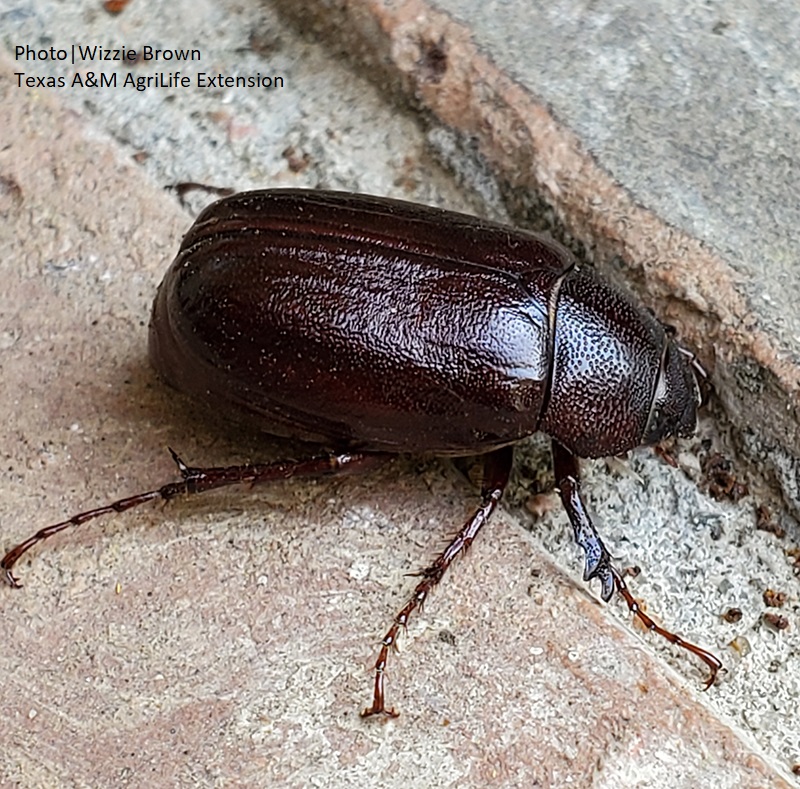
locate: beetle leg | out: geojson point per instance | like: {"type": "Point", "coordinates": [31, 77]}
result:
{"type": "Point", "coordinates": [712, 661]}
{"type": "Point", "coordinates": [598, 559]}
{"type": "Point", "coordinates": [496, 471]}
{"type": "Point", "coordinates": [568, 482]}
{"type": "Point", "coordinates": [197, 480]}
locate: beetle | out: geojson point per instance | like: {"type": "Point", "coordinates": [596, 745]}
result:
{"type": "Point", "coordinates": [374, 327]}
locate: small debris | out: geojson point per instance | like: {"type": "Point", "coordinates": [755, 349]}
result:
{"type": "Point", "coordinates": [721, 481]}
{"type": "Point", "coordinates": [764, 522]}
{"type": "Point", "coordinates": [775, 621]}
{"type": "Point", "coordinates": [774, 599]}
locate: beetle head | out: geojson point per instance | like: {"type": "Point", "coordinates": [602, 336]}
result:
{"type": "Point", "coordinates": [677, 395]}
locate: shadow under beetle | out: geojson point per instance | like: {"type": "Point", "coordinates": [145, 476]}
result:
{"type": "Point", "coordinates": [373, 326]}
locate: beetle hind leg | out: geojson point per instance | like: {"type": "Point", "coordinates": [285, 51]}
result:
{"type": "Point", "coordinates": [496, 471]}
{"type": "Point", "coordinates": [198, 480]}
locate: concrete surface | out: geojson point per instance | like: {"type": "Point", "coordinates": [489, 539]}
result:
{"type": "Point", "coordinates": [230, 641]}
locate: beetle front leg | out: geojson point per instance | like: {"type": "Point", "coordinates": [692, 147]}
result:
{"type": "Point", "coordinates": [568, 482]}
{"type": "Point", "coordinates": [496, 471]}
{"type": "Point", "coordinates": [598, 559]}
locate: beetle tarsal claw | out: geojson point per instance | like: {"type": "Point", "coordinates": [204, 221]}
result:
{"type": "Point", "coordinates": [370, 712]}
{"type": "Point", "coordinates": [598, 565]}
{"type": "Point", "coordinates": [607, 579]}
{"type": "Point", "coordinates": [184, 470]}
{"type": "Point", "coordinates": [12, 579]}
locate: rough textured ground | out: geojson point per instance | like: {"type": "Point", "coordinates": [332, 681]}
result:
{"type": "Point", "coordinates": [230, 640]}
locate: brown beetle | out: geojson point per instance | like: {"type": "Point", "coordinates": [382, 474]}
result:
{"type": "Point", "coordinates": [374, 326]}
